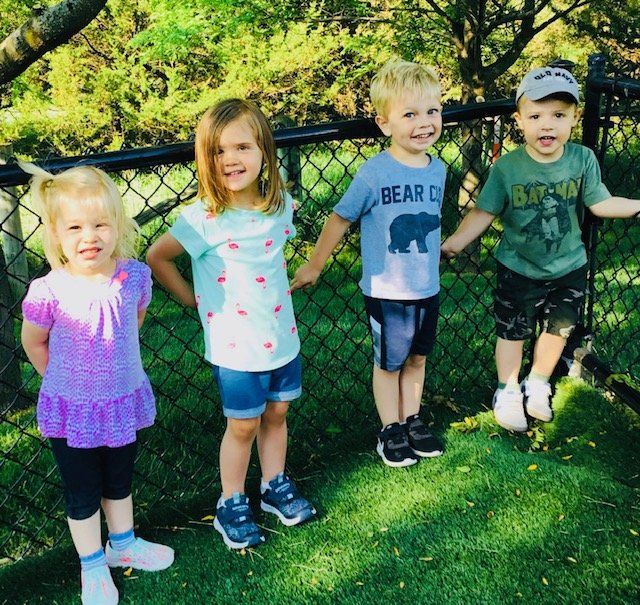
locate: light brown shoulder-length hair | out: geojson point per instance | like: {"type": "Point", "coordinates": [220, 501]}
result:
{"type": "Point", "coordinates": [215, 196]}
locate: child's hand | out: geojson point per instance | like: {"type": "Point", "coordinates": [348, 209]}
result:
{"type": "Point", "coordinates": [448, 250]}
{"type": "Point", "coordinates": [305, 276]}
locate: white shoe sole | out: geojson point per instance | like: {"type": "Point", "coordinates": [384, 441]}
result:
{"type": "Point", "coordinates": [267, 508]}
{"type": "Point", "coordinates": [402, 463]}
{"type": "Point", "coordinates": [433, 454]}
{"type": "Point", "coordinates": [542, 415]}
{"type": "Point", "coordinates": [512, 427]}
{"type": "Point", "coordinates": [227, 540]}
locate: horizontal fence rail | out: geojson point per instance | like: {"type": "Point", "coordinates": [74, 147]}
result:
{"type": "Point", "coordinates": [336, 415]}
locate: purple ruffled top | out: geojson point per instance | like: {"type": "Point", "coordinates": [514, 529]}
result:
{"type": "Point", "coordinates": [94, 391]}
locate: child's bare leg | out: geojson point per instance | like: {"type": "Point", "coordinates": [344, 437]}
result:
{"type": "Point", "coordinates": [411, 386]}
{"type": "Point", "coordinates": [272, 439]}
{"type": "Point", "coordinates": [547, 353]}
{"type": "Point", "coordinates": [386, 393]}
{"type": "Point", "coordinates": [119, 514]}
{"type": "Point", "coordinates": [85, 534]}
{"type": "Point", "coordinates": [508, 360]}
{"type": "Point", "coordinates": [235, 452]}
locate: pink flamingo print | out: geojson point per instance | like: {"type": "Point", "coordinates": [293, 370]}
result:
{"type": "Point", "coordinates": [232, 245]}
{"type": "Point", "coordinates": [209, 317]}
{"type": "Point", "coordinates": [284, 264]}
{"type": "Point", "coordinates": [277, 310]}
{"type": "Point", "coordinates": [261, 280]}
{"type": "Point", "coordinates": [232, 345]}
{"type": "Point", "coordinates": [197, 300]}
{"type": "Point", "coordinates": [287, 231]}
{"type": "Point", "coordinates": [293, 329]}
{"type": "Point", "coordinates": [240, 311]}
{"type": "Point", "coordinates": [288, 292]}
{"type": "Point", "coordinates": [269, 347]}
{"type": "Point", "coordinates": [222, 277]}
{"type": "Point", "coordinates": [267, 245]}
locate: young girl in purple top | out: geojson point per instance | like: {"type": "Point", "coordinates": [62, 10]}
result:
{"type": "Point", "coordinates": [80, 332]}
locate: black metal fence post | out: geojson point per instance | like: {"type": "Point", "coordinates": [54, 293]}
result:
{"type": "Point", "coordinates": [590, 129]}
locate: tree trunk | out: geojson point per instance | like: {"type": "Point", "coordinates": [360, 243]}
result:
{"type": "Point", "coordinates": [11, 233]}
{"type": "Point", "coordinates": [11, 396]}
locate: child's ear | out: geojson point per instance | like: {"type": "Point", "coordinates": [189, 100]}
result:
{"type": "Point", "coordinates": [383, 125]}
{"type": "Point", "coordinates": [576, 116]}
{"type": "Point", "coordinates": [518, 118]}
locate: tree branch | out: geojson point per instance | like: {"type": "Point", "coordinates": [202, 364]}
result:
{"type": "Point", "coordinates": [43, 33]}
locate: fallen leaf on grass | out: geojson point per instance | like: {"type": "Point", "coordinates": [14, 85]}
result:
{"type": "Point", "coordinates": [208, 518]}
{"type": "Point", "coordinates": [401, 584]}
{"type": "Point", "coordinates": [545, 581]}
{"type": "Point", "coordinates": [427, 559]}
{"type": "Point", "coordinates": [313, 581]}
{"type": "Point", "coordinates": [468, 425]}
{"type": "Point", "coordinates": [591, 443]}
{"type": "Point", "coordinates": [464, 469]}
{"type": "Point", "coordinates": [634, 532]}
{"type": "Point", "coordinates": [567, 457]}
{"type": "Point", "coordinates": [375, 544]}
{"type": "Point", "coordinates": [128, 572]}
{"type": "Point", "coordinates": [396, 552]}
{"type": "Point", "coordinates": [532, 467]}
{"type": "Point", "coordinates": [384, 529]}
{"type": "Point", "coordinates": [358, 583]}
{"type": "Point", "coordinates": [470, 504]}
{"type": "Point", "coordinates": [490, 514]}
{"type": "Point", "coordinates": [560, 517]}
{"type": "Point", "coordinates": [571, 560]}
{"type": "Point", "coordinates": [518, 492]}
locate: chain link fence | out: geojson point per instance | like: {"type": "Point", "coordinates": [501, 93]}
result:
{"type": "Point", "coordinates": [177, 465]}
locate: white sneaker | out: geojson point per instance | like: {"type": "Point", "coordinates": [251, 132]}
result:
{"type": "Point", "coordinates": [508, 410]}
{"type": "Point", "coordinates": [538, 399]}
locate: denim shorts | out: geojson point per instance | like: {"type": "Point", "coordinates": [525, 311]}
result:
{"type": "Point", "coordinates": [245, 394]}
{"type": "Point", "coordinates": [520, 302]}
{"type": "Point", "coordinates": [90, 474]}
{"type": "Point", "coordinates": [400, 328]}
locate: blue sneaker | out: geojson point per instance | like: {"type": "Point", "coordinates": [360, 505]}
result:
{"type": "Point", "coordinates": [234, 520]}
{"type": "Point", "coordinates": [283, 500]}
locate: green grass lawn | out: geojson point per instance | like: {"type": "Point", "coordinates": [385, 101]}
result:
{"type": "Point", "coordinates": [491, 521]}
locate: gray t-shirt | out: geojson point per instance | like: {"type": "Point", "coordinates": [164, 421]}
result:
{"type": "Point", "coordinates": [539, 205]}
{"type": "Point", "coordinates": [399, 210]}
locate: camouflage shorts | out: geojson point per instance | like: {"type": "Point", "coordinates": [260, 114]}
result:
{"type": "Point", "coordinates": [520, 302]}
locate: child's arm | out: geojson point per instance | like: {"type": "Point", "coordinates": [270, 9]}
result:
{"type": "Point", "coordinates": [616, 207]}
{"type": "Point", "coordinates": [472, 226]}
{"type": "Point", "coordinates": [160, 258]}
{"type": "Point", "coordinates": [332, 232]}
{"type": "Point", "coordinates": [35, 342]}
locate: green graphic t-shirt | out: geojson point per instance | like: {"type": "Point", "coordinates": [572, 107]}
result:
{"type": "Point", "coordinates": [539, 205]}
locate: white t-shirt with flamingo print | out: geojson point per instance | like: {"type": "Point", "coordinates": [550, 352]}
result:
{"type": "Point", "coordinates": [241, 284]}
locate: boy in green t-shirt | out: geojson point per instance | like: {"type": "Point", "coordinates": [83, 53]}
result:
{"type": "Point", "coordinates": [537, 191]}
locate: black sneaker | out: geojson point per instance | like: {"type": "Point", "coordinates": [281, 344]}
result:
{"type": "Point", "coordinates": [421, 441]}
{"type": "Point", "coordinates": [393, 446]}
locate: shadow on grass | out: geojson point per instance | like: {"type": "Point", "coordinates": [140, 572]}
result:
{"type": "Point", "coordinates": [474, 526]}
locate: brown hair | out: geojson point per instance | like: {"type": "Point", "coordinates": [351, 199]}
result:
{"type": "Point", "coordinates": [211, 187]}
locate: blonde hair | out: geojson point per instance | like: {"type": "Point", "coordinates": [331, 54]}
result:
{"type": "Point", "coordinates": [211, 187]}
{"type": "Point", "coordinates": [397, 78]}
{"type": "Point", "coordinates": [89, 187]}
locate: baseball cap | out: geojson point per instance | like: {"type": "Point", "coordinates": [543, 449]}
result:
{"type": "Point", "coordinates": [544, 81]}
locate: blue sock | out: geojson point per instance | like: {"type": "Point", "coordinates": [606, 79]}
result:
{"type": "Point", "coordinates": [123, 540]}
{"type": "Point", "coordinates": [94, 560]}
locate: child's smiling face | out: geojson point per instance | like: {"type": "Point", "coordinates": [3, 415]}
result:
{"type": "Point", "coordinates": [414, 123]}
{"type": "Point", "coordinates": [240, 161]}
{"type": "Point", "coordinates": [546, 126]}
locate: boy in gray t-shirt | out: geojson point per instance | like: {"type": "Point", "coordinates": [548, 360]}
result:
{"type": "Point", "coordinates": [397, 196]}
{"type": "Point", "coordinates": [538, 190]}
